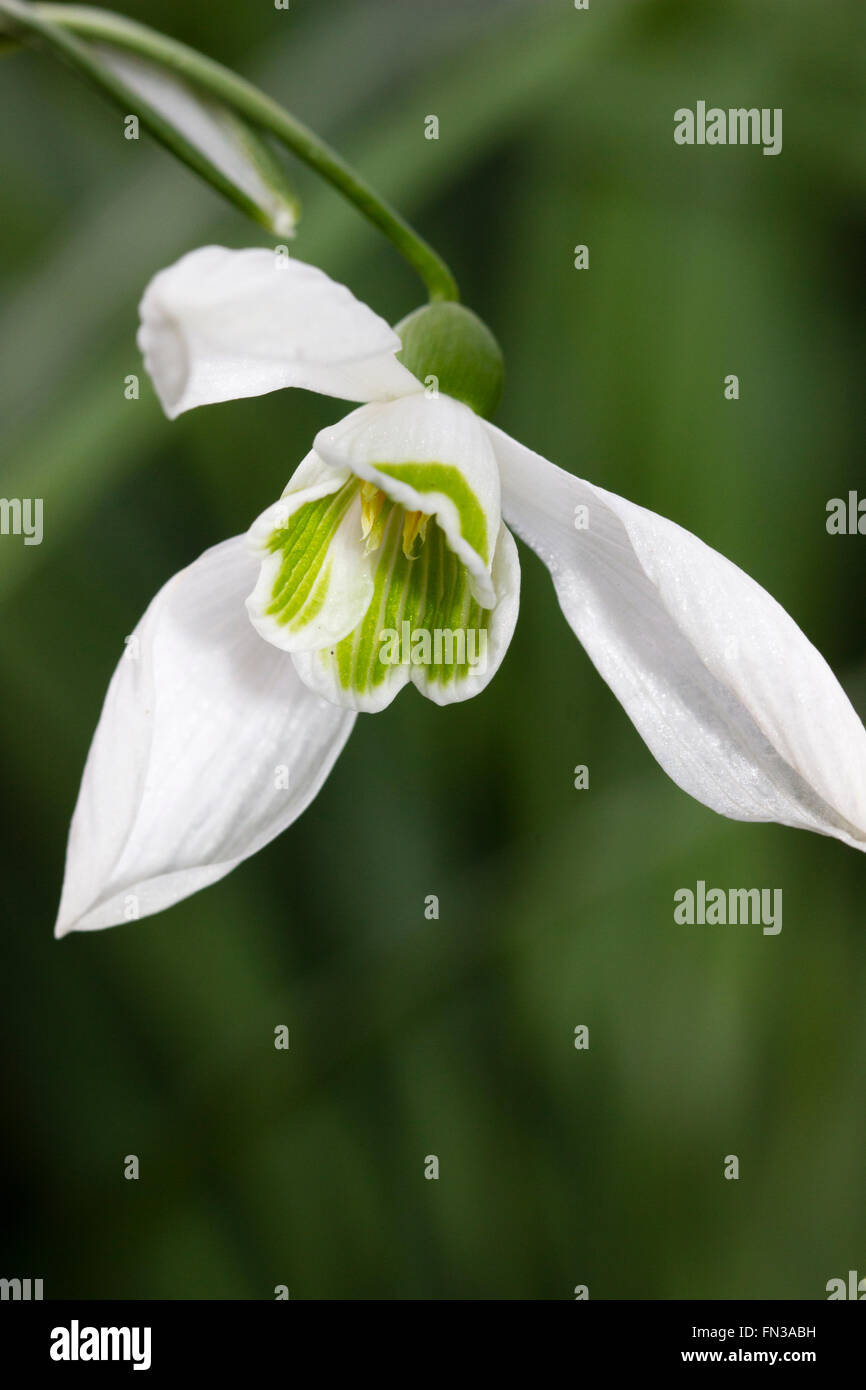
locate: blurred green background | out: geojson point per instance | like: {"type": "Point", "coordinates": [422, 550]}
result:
{"type": "Point", "coordinates": [409, 1037]}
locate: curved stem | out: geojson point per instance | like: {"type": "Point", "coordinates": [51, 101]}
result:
{"type": "Point", "coordinates": [263, 111]}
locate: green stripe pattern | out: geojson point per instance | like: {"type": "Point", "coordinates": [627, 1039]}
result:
{"type": "Point", "coordinates": [301, 584]}
{"type": "Point", "coordinates": [427, 478]}
{"type": "Point", "coordinates": [431, 593]}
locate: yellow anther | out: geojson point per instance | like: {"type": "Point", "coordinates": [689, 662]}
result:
{"type": "Point", "coordinates": [374, 515]}
{"type": "Point", "coordinates": [414, 533]}
{"type": "Point", "coordinates": [372, 498]}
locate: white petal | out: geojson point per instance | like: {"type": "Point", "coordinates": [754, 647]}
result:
{"type": "Point", "coordinates": [219, 325]}
{"type": "Point", "coordinates": [430, 454]}
{"type": "Point", "coordinates": [320, 672]}
{"type": "Point", "coordinates": [214, 130]}
{"type": "Point", "coordinates": [733, 700]}
{"type": "Point", "coordinates": [334, 571]}
{"type": "Point", "coordinates": [203, 726]}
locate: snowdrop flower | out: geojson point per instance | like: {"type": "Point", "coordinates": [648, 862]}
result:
{"type": "Point", "coordinates": [242, 681]}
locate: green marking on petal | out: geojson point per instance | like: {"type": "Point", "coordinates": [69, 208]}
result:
{"type": "Point", "coordinates": [390, 583]}
{"type": "Point", "coordinates": [301, 584]}
{"type": "Point", "coordinates": [426, 601]}
{"type": "Point", "coordinates": [421, 591]}
{"type": "Point", "coordinates": [317, 597]}
{"type": "Point", "coordinates": [446, 478]}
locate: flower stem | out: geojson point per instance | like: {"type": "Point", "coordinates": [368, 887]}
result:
{"type": "Point", "coordinates": [261, 110]}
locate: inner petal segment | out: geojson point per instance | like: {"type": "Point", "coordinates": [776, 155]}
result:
{"type": "Point", "coordinates": [368, 595]}
{"type": "Point", "coordinates": [423, 623]}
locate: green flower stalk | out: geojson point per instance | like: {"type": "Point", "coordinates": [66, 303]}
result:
{"type": "Point", "coordinates": [91, 39]}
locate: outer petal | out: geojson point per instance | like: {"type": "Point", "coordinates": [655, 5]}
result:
{"type": "Point", "coordinates": [219, 325]}
{"type": "Point", "coordinates": [207, 747]}
{"type": "Point", "coordinates": [732, 699]}
{"type": "Point", "coordinates": [429, 454]}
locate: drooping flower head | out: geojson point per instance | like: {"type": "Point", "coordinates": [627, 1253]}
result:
{"type": "Point", "coordinates": [385, 561]}
{"type": "Point", "coordinates": [393, 530]}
